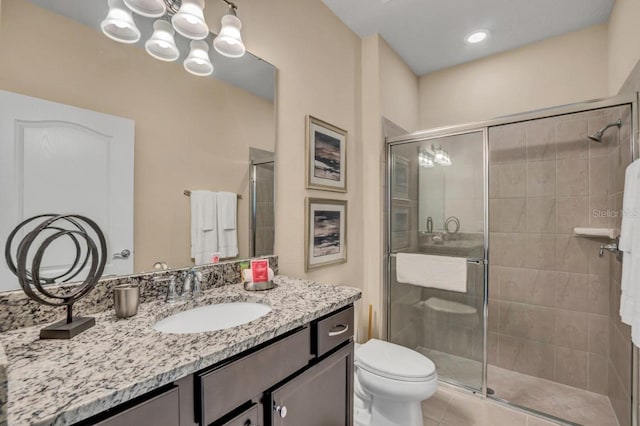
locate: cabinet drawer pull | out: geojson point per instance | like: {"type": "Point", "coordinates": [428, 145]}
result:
{"type": "Point", "coordinates": [281, 410]}
{"type": "Point", "coordinates": [338, 330]}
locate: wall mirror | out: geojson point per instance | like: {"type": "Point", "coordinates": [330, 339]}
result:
{"type": "Point", "coordinates": [188, 132]}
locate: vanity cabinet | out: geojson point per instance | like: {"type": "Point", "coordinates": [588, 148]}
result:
{"type": "Point", "coordinates": [304, 377]}
{"type": "Point", "coordinates": [322, 395]}
{"type": "Point", "coordinates": [228, 386]}
{"type": "Point", "coordinates": [158, 409]}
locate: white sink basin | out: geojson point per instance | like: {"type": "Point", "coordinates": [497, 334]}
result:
{"type": "Point", "coordinates": [212, 317]}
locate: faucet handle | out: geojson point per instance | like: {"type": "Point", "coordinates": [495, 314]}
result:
{"type": "Point", "coordinates": [172, 294]}
{"type": "Point", "coordinates": [187, 285]}
{"type": "Point", "coordinates": [197, 283]}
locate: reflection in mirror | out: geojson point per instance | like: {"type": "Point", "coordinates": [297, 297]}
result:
{"type": "Point", "coordinates": [262, 202]}
{"type": "Point", "coordinates": [177, 131]}
{"type": "Point", "coordinates": [450, 180]}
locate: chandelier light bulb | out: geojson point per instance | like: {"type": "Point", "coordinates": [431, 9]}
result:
{"type": "Point", "coordinates": [162, 45]}
{"type": "Point", "coordinates": [229, 41]}
{"type": "Point", "coordinates": [119, 25]}
{"type": "Point", "coordinates": [198, 62]}
{"type": "Point", "coordinates": [147, 8]}
{"type": "Point", "coordinates": [189, 21]}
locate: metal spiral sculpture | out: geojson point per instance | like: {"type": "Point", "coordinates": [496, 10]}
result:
{"type": "Point", "coordinates": [50, 229]}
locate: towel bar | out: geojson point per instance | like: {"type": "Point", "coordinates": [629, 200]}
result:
{"type": "Point", "coordinates": [188, 194]}
{"type": "Point", "coordinates": [477, 261]}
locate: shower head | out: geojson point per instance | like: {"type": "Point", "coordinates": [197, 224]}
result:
{"type": "Point", "coordinates": [597, 136]}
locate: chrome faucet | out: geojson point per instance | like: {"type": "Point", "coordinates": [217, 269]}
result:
{"type": "Point", "coordinates": [192, 284]}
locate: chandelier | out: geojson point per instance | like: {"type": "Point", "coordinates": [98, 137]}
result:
{"type": "Point", "coordinates": [186, 17]}
{"type": "Point", "coordinates": [433, 155]}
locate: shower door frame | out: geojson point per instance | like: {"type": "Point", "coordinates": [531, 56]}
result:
{"type": "Point", "coordinates": [631, 99]}
{"type": "Point", "coordinates": [253, 202]}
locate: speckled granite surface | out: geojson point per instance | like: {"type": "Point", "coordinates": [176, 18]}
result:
{"type": "Point", "coordinates": [56, 382]}
{"type": "Point", "coordinates": [3, 387]}
{"type": "Point", "coordinates": [17, 310]}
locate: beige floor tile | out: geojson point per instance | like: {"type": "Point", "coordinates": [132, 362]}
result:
{"type": "Point", "coordinates": [434, 407]}
{"type": "Point", "coordinates": [430, 422]}
{"type": "Point", "coordinates": [464, 410]}
{"type": "Point", "coordinates": [502, 416]}
{"type": "Point", "coordinates": [536, 421]}
{"type": "Point", "coordinates": [558, 400]}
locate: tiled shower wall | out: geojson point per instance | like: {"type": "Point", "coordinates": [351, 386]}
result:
{"type": "Point", "coordinates": [265, 220]}
{"type": "Point", "coordinates": [549, 310]}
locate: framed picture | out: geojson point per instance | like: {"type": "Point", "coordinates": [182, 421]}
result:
{"type": "Point", "coordinates": [400, 178]}
{"type": "Point", "coordinates": [400, 224]}
{"type": "Point", "coordinates": [326, 156]}
{"type": "Point", "coordinates": [326, 233]}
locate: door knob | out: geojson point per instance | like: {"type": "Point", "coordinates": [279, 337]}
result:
{"type": "Point", "coordinates": [124, 254]}
{"type": "Point", "coordinates": [281, 410]}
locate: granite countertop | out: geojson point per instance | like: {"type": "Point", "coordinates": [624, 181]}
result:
{"type": "Point", "coordinates": [55, 382]}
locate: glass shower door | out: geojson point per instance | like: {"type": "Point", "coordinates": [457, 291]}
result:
{"type": "Point", "coordinates": [438, 206]}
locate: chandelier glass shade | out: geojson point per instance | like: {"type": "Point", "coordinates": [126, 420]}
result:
{"type": "Point", "coordinates": [189, 21]}
{"type": "Point", "coordinates": [198, 62]}
{"type": "Point", "coordinates": [119, 24]}
{"type": "Point", "coordinates": [147, 8]}
{"type": "Point", "coordinates": [162, 44]}
{"type": "Point", "coordinates": [185, 17]}
{"type": "Point", "coordinates": [229, 41]}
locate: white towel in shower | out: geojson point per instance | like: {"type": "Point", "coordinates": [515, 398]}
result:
{"type": "Point", "coordinates": [227, 224]}
{"type": "Point", "coordinates": [204, 234]}
{"type": "Point", "coordinates": [630, 246]}
{"type": "Point", "coordinates": [443, 272]}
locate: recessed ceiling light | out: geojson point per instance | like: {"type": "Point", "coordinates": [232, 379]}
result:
{"type": "Point", "coordinates": [476, 36]}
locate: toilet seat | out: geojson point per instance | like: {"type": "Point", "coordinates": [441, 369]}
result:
{"type": "Point", "coordinates": [394, 362]}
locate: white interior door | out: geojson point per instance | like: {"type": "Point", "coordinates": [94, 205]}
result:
{"type": "Point", "coordinates": [56, 158]}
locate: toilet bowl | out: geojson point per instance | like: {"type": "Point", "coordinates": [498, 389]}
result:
{"type": "Point", "coordinates": [390, 383]}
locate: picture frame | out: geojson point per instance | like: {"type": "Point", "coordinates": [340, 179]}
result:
{"type": "Point", "coordinates": [400, 224]}
{"type": "Point", "coordinates": [325, 232]}
{"type": "Point", "coordinates": [326, 153]}
{"type": "Point", "coordinates": [400, 181]}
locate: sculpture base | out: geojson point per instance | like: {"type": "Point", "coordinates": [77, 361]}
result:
{"type": "Point", "coordinates": [64, 330]}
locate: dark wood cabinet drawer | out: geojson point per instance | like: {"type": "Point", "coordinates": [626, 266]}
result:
{"type": "Point", "coordinates": [160, 410]}
{"type": "Point", "coordinates": [248, 418]}
{"type": "Point", "coordinates": [320, 396]}
{"type": "Point", "coordinates": [227, 387]}
{"type": "Point", "coordinates": [332, 331]}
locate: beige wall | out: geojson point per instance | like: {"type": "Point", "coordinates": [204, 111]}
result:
{"type": "Point", "coordinates": [624, 49]}
{"type": "Point", "coordinates": [561, 70]}
{"type": "Point", "coordinates": [372, 166]}
{"type": "Point", "coordinates": [318, 61]}
{"type": "Point", "coordinates": [390, 90]}
{"type": "Point", "coordinates": [191, 133]}
{"type": "Point", "coordinates": [398, 88]}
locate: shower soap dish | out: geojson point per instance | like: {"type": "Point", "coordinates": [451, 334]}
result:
{"type": "Point", "coordinates": [596, 232]}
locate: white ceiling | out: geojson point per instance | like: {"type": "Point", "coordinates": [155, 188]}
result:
{"type": "Point", "coordinates": [429, 34]}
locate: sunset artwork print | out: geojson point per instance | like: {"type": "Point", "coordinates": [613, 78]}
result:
{"type": "Point", "coordinates": [326, 156]}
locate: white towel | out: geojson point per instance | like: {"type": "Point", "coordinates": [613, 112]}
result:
{"type": "Point", "coordinates": [204, 234]}
{"type": "Point", "coordinates": [443, 272]}
{"type": "Point", "coordinates": [227, 228]}
{"type": "Point", "coordinates": [630, 246]}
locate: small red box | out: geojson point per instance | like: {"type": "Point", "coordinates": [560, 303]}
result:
{"type": "Point", "coordinates": [260, 270]}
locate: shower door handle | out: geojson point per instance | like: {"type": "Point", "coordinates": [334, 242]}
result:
{"type": "Point", "coordinates": [476, 261]}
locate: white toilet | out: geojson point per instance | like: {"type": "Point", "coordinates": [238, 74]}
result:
{"type": "Point", "coordinates": [390, 382]}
